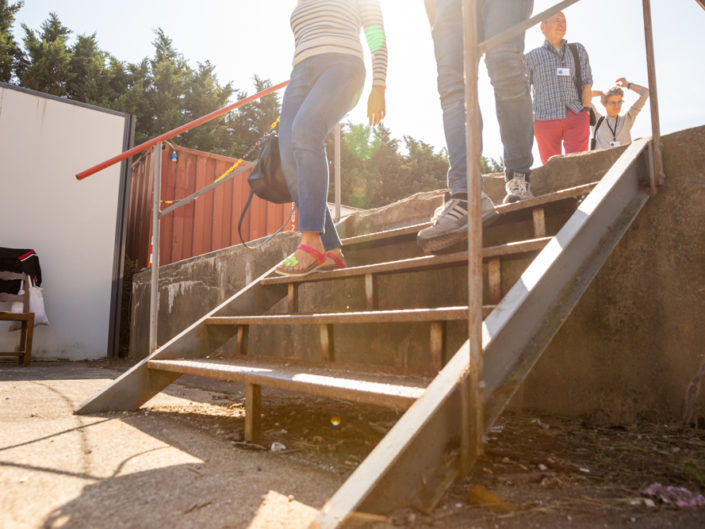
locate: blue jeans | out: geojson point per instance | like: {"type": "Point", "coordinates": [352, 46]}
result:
{"type": "Point", "coordinates": [505, 66]}
{"type": "Point", "coordinates": [321, 90]}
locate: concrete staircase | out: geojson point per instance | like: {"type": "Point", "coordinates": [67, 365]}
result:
{"type": "Point", "coordinates": [391, 330]}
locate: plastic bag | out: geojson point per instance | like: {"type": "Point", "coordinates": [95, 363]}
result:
{"type": "Point", "coordinates": [36, 305]}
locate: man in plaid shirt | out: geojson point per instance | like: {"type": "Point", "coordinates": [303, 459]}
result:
{"type": "Point", "coordinates": [561, 114]}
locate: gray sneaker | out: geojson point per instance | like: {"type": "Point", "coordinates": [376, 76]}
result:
{"type": "Point", "coordinates": [517, 188]}
{"type": "Point", "coordinates": [450, 223]}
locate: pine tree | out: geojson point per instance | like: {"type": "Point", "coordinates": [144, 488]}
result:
{"type": "Point", "coordinates": [10, 52]}
{"type": "Point", "coordinates": [203, 96]}
{"type": "Point", "coordinates": [249, 123]}
{"type": "Point", "coordinates": [46, 66]}
{"type": "Point", "coordinates": [166, 93]}
{"type": "Point", "coordinates": [98, 78]}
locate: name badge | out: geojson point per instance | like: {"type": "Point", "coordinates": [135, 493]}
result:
{"type": "Point", "coordinates": [563, 72]}
{"type": "Point", "coordinates": [616, 143]}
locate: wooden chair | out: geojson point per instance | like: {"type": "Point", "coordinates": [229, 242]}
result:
{"type": "Point", "coordinates": [26, 317]}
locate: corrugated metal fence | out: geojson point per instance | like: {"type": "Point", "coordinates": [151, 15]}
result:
{"type": "Point", "coordinates": [203, 225]}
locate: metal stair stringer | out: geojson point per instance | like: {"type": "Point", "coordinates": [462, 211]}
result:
{"type": "Point", "coordinates": [415, 463]}
{"type": "Point", "coordinates": [139, 384]}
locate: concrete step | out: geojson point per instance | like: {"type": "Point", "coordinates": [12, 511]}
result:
{"type": "Point", "coordinates": [504, 210]}
{"type": "Point", "coordinates": [372, 316]}
{"type": "Point", "coordinates": [426, 262]}
{"type": "Point", "coordinates": [432, 337]}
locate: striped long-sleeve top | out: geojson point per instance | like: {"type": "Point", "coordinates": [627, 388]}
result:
{"type": "Point", "coordinates": [333, 26]}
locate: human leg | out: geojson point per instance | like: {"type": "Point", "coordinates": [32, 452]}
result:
{"type": "Point", "coordinates": [301, 80]}
{"type": "Point", "coordinates": [329, 88]}
{"type": "Point", "coordinates": [549, 137]}
{"type": "Point", "coordinates": [447, 35]}
{"type": "Point", "coordinates": [507, 72]}
{"type": "Point", "coordinates": [450, 220]}
{"type": "Point", "coordinates": [335, 92]}
{"type": "Point", "coordinates": [577, 132]}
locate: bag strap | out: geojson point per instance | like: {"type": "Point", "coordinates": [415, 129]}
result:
{"type": "Point", "coordinates": [579, 78]}
{"type": "Point", "coordinates": [593, 142]}
{"type": "Point", "coordinates": [242, 216]}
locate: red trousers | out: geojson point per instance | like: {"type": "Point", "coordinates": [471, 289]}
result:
{"type": "Point", "coordinates": [571, 133]}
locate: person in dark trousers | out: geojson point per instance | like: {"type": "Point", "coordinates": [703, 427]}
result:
{"type": "Point", "coordinates": [505, 65]}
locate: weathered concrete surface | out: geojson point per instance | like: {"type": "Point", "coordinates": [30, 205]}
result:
{"type": "Point", "coordinates": [190, 288]}
{"type": "Point", "coordinates": [134, 469]}
{"type": "Point", "coordinates": [637, 337]}
{"type": "Point", "coordinates": [559, 173]}
{"type": "Point", "coordinates": [628, 350]}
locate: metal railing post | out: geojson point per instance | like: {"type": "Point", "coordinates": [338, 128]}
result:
{"type": "Point", "coordinates": [154, 286]}
{"type": "Point", "coordinates": [471, 394]}
{"type": "Point", "coordinates": [338, 189]}
{"type": "Point", "coordinates": [657, 176]}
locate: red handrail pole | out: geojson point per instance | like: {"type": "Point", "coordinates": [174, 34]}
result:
{"type": "Point", "coordinates": [175, 132]}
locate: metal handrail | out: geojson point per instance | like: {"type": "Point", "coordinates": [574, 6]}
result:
{"type": "Point", "coordinates": [472, 386]}
{"type": "Point", "coordinates": [178, 130]}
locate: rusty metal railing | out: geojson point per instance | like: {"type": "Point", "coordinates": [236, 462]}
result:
{"type": "Point", "coordinates": [472, 407]}
{"type": "Point", "coordinates": [178, 130]}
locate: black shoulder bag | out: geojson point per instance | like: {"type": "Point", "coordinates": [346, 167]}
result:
{"type": "Point", "coordinates": [593, 141]}
{"type": "Point", "coordinates": [579, 79]}
{"type": "Point", "coordinates": [267, 182]}
{"type": "Point", "coordinates": [267, 178]}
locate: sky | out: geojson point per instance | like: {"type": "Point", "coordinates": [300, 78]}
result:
{"type": "Point", "coordinates": [247, 37]}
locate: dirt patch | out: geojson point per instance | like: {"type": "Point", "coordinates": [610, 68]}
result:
{"type": "Point", "coordinates": [548, 472]}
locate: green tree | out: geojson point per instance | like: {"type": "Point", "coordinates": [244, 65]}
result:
{"type": "Point", "coordinates": [204, 95]}
{"type": "Point", "coordinates": [422, 169]}
{"type": "Point", "coordinates": [47, 64]}
{"type": "Point", "coordinates": [10, 52]}
{"type": "Point", "coordinates": [250, 122]}
{"type": "Point", "coordinates": [376, 173]}
{"type": "Point", "coordinates": [388, 162]}
{"type": "Point", "coordinates": [358, 142]}
{"type": "Point", "coordinates": [97, 77]}
{"type": "Point", "coordinates": [166, 93]}
{"type": "Point", "coordinates": [490, 165]}
{"type": "Point", "coordinates": [135, 99]}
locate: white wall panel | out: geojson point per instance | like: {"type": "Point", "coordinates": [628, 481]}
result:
{"type": "Point", "coordinates": [44, 142]}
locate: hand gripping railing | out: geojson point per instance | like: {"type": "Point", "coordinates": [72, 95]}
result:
{"type": "Point", "coordinates": [472, 414]}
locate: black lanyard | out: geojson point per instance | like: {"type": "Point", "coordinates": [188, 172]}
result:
{"type": "Point", "coordinates": [613, 131]}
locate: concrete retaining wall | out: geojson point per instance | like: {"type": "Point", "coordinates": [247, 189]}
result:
{"type": "Point", "coordinates": [636, 339]}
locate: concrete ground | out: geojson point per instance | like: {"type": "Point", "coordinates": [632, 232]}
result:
{"type": "Point", "coordinates": [134, 470]}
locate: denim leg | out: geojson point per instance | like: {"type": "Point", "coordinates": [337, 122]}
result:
{"type": "Point", "coordinates": [320, 93]}
{"type": "Point", "coordinates": [300, 83]}
{"type": "Point", "coordinates": [448, 46]}
{"type": "Point", "coordinates": [507, 71]}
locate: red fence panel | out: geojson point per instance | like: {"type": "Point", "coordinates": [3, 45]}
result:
{"type": "Point", "coordinates": [206, 224]}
